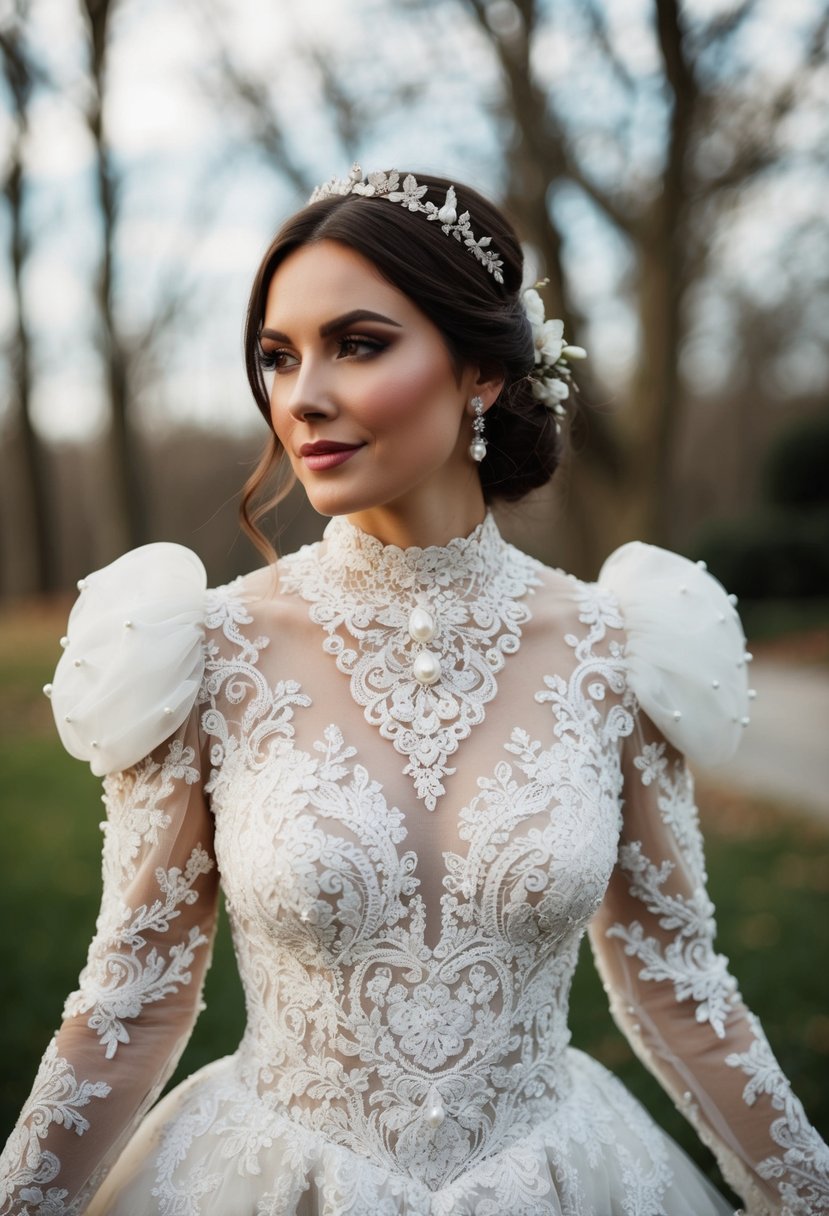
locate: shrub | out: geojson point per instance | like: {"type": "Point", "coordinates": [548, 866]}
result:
{"type": "Point", "coordinates": [775, 553]}
{"type": "Point", "coordinates": [796, 472]}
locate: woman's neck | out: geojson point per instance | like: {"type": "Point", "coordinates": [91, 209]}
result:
{"type": "Point", "coordinates": [433, 523]}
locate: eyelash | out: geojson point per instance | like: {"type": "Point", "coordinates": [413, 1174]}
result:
{"type": "Point", "coordinates": [269, 359]}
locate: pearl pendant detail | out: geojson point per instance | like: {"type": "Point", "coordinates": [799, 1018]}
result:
{"type": "Point", "coordinates": [422, 628]}
{"type": "Point", "coordinates": [421, 625]}
{"type": "Point", "coordinates": [477, 448]}
{"type": "Point", "coordinates": [426, 668]}
{"type": "Point", "coordinates": [433, 1112]}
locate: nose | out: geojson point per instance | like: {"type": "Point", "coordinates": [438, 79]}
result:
{"type": "Point", "coordinates": [311, 395]}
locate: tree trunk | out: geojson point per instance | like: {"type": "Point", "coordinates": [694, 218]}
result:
{"type": "Point", "coordinates": [41, 574]}
{"type": "Point", "coordinates": [38, 487]}
{"type": "Point", "coordinates": [126, 526]}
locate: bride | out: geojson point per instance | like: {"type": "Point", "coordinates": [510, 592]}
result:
{"type": "Point", "coordinates": [422, 765]}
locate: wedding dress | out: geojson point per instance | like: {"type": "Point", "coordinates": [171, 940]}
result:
{"type": "Point", "coordinates": [422, 775]}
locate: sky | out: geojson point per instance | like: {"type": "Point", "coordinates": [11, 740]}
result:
{"type": "Point", "coordinates": [193, 205]}
{"type": "Point", "coordinates": [199, 208]}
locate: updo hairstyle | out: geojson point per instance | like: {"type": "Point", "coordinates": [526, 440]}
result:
{"type": "Point", "coordinates": [482, 321]}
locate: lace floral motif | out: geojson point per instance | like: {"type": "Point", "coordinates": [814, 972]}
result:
{"type": "Point", "coordinates": [689, 962]}
{"type": "Point", "coordinates": [675, 801]}
{"type": "Point", "coordinates": [126, 970]}
{"type": "Point", "coordinates": [120, 979]}
{"type": "Point", "coordinates": [473, 590]}
{"type": "Point", "coordinates": [123, 973]}
{"type": "Point", "coordinates": [25, 1167]}
{"type": "Point", "coordinates": [800, 1176]}
{"type": "Point", "coordinates": [418, 1058]}
{"type": "Point", "coordinates": [802, 1172]}
{"type": "Point", "coordinates": [407, 981]}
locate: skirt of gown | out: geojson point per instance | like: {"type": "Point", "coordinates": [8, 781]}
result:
{"type": "Point", "coordinates": [212, 1148]}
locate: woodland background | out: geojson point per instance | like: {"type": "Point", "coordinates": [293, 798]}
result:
{"type": "Point", "coordinates": [666, 165]}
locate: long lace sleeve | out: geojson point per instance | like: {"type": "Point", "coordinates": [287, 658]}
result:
{"type": "Point", "coordinates": [129, 1020]}
{"type": "Point", "coordinates": [673, 996]}
{"type": "Point", "coordinates": [126, 1025]}
{"type": "Point", "coordinates": [654, 936]}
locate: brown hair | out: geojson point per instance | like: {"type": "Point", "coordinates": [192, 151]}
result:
{"type": "Point", "coordinates": [482, 321]}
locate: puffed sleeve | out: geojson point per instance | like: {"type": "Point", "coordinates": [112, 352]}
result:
{"type": "Point", "coordinates": [653, 938]}
{"type": "Point", "coordinates": [133, 656]}
{"type": "Point", "coordinates": [685, 652]}
{"type": "Point", "coordinates": [124, 1028]}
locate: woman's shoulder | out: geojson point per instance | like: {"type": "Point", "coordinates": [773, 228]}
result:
{"type": "Point", "coordinates": [133, 656]}
{"type": "Point", "coordinates": [140, 637]}
{"type": "Point", "coordinates": [685, 650]}
{"type": "Point", "coordinates": [256, 600]}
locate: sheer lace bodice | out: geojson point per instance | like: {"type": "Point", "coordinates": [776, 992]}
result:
{"type": "Point", "coordinates": [419, 1007]}
{"type": "Point", "coordinates": [424, 774]}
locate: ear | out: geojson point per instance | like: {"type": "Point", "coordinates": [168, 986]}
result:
{"type": "Point", "coordinates": [486, 383]}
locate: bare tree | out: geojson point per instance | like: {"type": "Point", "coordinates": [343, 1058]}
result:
{"type": "Point", "coordinates": [35, 519]}
{"type": "Point", "coordinates": [629, 459]}
{"type": "Point", "coordinates": [131, 352]}
{"type": "Point", "coordinates": [126, 491]}
{"type": "Point", "coordinates": [715, 131]}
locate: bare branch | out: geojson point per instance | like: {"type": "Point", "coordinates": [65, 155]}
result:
{"type": "Point", "coordinates": [598, 28]}
{"type": "Point", "coordinates": [345, 109]}
{"type": "Point", "coordinates": [759, 151]}
{"type": "Point", "coordinates": [540, 127]}
{"type": "Point", "coordinates": [679, 70]}
{"type": "Point", "coordinates": [818, 51]}
{"type": "Point", "coordinates": [621, 216]}
{"type": "Point", "coordinates": [254, 100]}
{"type": "Point", "coordinates": [721, 28]}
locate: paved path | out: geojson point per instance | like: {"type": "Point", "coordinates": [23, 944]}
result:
{"type": "Point", "coordinates": [785, 751]}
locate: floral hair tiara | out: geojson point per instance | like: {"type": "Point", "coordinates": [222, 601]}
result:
{"type": "Point", "coordinates": [409, 194]}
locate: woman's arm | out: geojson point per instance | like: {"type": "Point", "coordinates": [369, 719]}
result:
{"type": "Point", "coordinates": [124, 689]}
{"type": "Point", "coordinates": [672, 994]}
{"type": "Point", "coordinates": [138, 995]}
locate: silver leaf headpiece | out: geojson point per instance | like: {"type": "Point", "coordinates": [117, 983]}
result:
{"type": "Point", "coordinates": [410, 195]}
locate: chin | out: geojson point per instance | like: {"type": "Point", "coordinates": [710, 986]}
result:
{"type": "Point", "coordinates": [333, 500]}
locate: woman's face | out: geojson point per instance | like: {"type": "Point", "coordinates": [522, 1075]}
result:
{"type": "Point", "coordinates": [373, 415]}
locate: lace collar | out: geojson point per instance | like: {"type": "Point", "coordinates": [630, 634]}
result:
{"type": "Point", "coordinates": [422, 633]}
{"type": "Point", "coordinates": [361, 560]}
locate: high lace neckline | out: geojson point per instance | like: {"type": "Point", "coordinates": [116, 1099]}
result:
{"type": "Point", "coordinates": [421, 632]}
{"type": "Point", "coordinates": [354, 554]}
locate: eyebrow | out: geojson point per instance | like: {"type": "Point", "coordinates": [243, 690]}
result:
{"type": "Point", "coordinates": [337, 325]}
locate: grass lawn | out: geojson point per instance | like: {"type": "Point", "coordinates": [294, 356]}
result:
{"type": "Point", "coordinates": [769, 872]}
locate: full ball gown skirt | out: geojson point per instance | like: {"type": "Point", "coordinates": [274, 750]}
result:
{"type": "Point", "coordinates": [188, 1149]}
{"type": "Point", "coordinates": [411, 851]}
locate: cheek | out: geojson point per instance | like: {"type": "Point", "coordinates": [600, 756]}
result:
{"type": "Point", "coordinates": [281, 420]}
{"type": "Point", "coordinates": [406, 389]}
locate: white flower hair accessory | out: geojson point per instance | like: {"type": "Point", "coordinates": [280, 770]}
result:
{"type": "Point", "coordinates": [552, 377]}
{"type": "Point", "coordinates": [409, 195]}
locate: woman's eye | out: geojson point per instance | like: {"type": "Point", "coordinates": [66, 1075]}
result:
{"type": "Point", "coordinates": [275, 360]}
{"type": "Point", "coordinates": [352, 345]}
{"type": "Point", "coordinates": [349, 347]}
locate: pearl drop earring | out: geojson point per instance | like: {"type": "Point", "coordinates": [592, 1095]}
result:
{"type": "Point", "coordinates": [477, 448]}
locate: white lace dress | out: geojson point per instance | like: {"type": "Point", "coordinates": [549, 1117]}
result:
{"type": "Point", "coordinates": [421, 776]}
